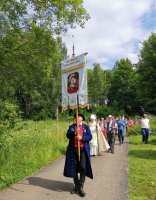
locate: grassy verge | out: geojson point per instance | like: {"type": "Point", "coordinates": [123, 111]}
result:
{"type": "Point", "coordinates": [25, 151]}
{"type": "Point", "coordinates": [142, 168]}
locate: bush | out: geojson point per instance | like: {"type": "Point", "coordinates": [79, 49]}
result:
{"type": "Point", "coordinates": [104, 111]}
{"type": "Point", "coordinates": [9, 115]}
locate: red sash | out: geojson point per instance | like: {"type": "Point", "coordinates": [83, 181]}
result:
{"type": "Point", "coordinates": [80, 132]}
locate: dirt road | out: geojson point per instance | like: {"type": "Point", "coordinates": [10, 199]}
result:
{"type": "Point", "coordinates": [110, 181]}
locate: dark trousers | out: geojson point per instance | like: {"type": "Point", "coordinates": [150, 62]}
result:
{"type": "Point", "coordinates": [111, 140]}
{"type": "Point", "coordinates": [121, 136]}
{"type": "Point", "coordinates": [145, 134]}
{"type": "Point", "coordinates": [80, 167]}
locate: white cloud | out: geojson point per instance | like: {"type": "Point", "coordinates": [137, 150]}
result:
{"type": "Point", "coordinates": [113, 32]}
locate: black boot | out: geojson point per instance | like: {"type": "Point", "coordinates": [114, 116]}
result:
{"type": "Point", "coordinates": [76, 188]}
{"type": "Point", "coordinates": [81, 191]}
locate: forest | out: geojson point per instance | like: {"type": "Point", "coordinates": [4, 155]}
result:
{"type": "Point", "coordinates": [31, 51]}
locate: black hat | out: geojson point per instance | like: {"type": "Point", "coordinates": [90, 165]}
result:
{"type": "Point", "coordinates": [81, 115]}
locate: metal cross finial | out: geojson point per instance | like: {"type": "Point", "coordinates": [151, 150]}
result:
{"type": "Point", "coordinates": [73, 50]}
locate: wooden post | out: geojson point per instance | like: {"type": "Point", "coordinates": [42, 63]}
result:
{"type": "Point", "coordinates": [68, 103]}
{"type": "Point", "coordinates": [77, 128]}
{"type": "Point", "coordinates": [77, 112]}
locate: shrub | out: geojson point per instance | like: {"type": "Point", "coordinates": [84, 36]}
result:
{"type": "Point", "coordinates": [104, 111]}
{"type": "Point", "coordinates": [9, 115]}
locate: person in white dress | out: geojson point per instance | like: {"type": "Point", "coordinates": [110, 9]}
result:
{"type": "Point", "coordinates": [98, 142]}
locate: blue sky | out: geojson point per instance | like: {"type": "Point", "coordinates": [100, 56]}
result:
{"type": "Point", "coordinates": [116, 30]}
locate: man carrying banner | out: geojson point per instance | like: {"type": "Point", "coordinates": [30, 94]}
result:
{"type": "Point", "coordinates": [74, 165]}
{"type": "Point", "coordinates": [74, 95]}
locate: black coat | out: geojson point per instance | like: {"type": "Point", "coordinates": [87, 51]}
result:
{"type": "Point", "coordinates": [70, 161]}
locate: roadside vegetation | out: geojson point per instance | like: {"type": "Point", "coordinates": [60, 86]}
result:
{"type": "Point", "coordinates": [24, 151]}
{"type": "Point", "coordinates": [31, 52]}
{"type": "Point", "coordinates": [142, 164]}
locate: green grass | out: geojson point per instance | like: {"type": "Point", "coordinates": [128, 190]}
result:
{"type": "Point", "coordinates": [142, 168]}
{"type": "Point", "coordinates": [25, 151]}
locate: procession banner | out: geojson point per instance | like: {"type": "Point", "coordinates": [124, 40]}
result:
{"type": "Point", "coordinates": [74, 82]}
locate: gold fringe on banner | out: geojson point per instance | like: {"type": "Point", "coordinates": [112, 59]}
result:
{"type": "Point", "coordinates": [74, 107]}
{"type": "Point", "coordinates": [74, 67]}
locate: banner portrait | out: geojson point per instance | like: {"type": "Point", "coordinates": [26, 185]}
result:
{"type": "Point", "coordinates": [74, 82]}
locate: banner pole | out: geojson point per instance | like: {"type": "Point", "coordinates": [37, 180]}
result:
{"type": "Point", "coordinates": [68, 103]}
{"type": "Point", "coordinates": [77, 128]}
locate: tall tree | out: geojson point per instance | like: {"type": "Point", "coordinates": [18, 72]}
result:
{"type": "Point", "coordinates": [122, 92]}
{"type": "Point", "coordinates": [30, 56]}
{"type": "Point", "coordinates": [28, 66]}
{"type": "Point", "coordinates": [98, 85]}
{"type": "Point", "coordinates": [147, 74]}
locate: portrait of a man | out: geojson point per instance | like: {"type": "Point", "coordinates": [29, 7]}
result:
{"type": "Point", "coordinates": [73, 83]}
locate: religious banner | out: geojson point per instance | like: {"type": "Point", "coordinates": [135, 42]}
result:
{"type": "Point", "coordinates": [74, 82]}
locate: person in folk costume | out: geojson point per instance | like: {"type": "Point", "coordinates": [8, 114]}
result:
{"type": "Point", "coordinates": [111, 130]}
{"type": "Point", "coordinates": [98, 142]}
{"type": "Point", "coordinates": [74, 166]}
{"type": "Point", "coordinates": [105, 127]}
{"type": "Point", "coordinates": [105, 144]}
{"type": "Point", "coordinates": [130, 124]}
{"type": "Point", "coordinates": [101, 124]}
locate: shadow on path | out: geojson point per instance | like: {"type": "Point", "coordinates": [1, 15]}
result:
{"type": "Point", "coordinates": [50, 184]}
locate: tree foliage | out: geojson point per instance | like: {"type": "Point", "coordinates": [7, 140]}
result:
{"type": "Point", "coordinates": [122, 92]}
{"type": "Point", "coordinates": [147, 74]}
{"type": "Point", "coordinates": [9, 115]}
{"type": "Point", "coordinates": [98, 85]}
{"type": "Point", "coordinates": [55, 15]}
{"type": "Point", "coordinates": [31, 51]}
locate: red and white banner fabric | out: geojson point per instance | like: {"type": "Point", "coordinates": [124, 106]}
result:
{"type": "Point", "coordinates": [74, 82]}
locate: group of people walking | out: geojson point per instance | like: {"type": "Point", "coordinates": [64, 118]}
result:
{"type": "Point", "coordinates": [87, 140]}
{"type": "Point", "coordinates": [110, 128]}
{"type": "Point", "coordinates": [91, 139]}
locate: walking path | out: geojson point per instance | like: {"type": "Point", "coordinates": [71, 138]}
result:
{"type": "Point", "coordinates": [110, 181]}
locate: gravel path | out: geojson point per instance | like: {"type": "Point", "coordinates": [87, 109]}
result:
{"type": "Point", "coordinates": [110, 181]}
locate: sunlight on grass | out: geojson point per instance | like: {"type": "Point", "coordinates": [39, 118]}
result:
{"type": "Point", "coordinates": [142, 168]}
{"type": "Point", "coordinates": [27, 150]}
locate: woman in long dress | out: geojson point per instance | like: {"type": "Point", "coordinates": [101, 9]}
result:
{"type": "Point", "coordinates": [98, 142]}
